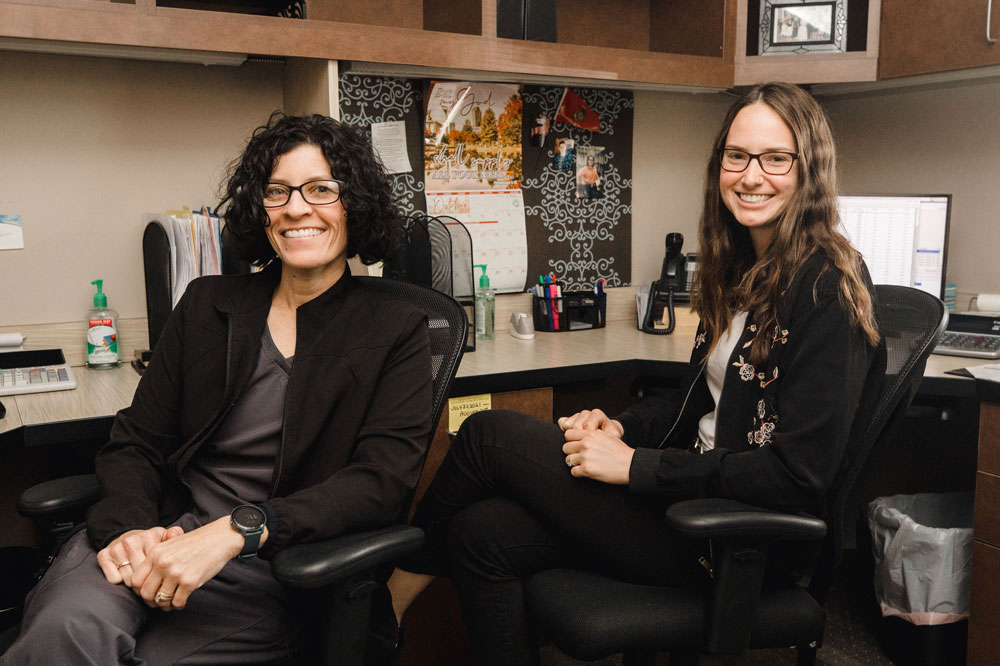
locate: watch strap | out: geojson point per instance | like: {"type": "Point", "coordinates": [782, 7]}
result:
{"type": "Point", "coordinates": [251, 542]}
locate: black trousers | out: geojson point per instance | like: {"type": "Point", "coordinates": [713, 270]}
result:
{"type": "Point", "coordinates": [504, 505]}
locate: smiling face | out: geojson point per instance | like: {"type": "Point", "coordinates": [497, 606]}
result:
{"type": "Point", "coordinates": [311, 240]}
{"type": "Point", "coordinates": [756, 198]}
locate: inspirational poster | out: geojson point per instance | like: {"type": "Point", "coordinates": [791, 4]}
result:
{"type": "Point", "coordinates": [473, 171]}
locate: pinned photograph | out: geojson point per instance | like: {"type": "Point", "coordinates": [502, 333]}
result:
{"type": "Point", "coordinates": [589, 172]}
{"type": "Point", "coordinates": [540, 130]}
{"type": "Point", "coordinates": [565, 155]}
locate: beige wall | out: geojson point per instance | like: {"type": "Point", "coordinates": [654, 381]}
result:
{"type": "Point", "coordinates": [672, 139]}
{"type": "Point", "coordinates": [87, 145]}
{"type": "Point", "coordinates": [942, 140]}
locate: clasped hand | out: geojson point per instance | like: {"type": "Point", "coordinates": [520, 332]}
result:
{"type": "Point", "coordinates": [594, 447]}
{"type": "Point", "coordinates": [164, 566]}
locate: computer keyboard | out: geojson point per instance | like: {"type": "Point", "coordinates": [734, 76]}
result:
{"type": "Point", "coordinates": [34, 371]}
{"type": "Point", "coordinates": [976, 345]}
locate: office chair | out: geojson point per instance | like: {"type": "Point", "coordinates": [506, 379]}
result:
{"type": "Point", "coordinates": [339, 576]}
{"type": "Point", "coordinates": [590, 616]}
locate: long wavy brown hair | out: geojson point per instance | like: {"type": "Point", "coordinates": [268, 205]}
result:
{"type": "Point", "coordinates": [731, 277]}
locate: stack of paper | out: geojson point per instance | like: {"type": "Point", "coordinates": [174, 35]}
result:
{"type": "Point", "coordinates": [195, 247]}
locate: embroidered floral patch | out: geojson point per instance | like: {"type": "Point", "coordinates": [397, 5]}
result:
{"type": "Point", "coordinates": [774, 377]}
{"type": "Point", "coordinates": [763, 426]}
{"type": "Point", "coordinates": [746, 370]}
{"type": "Point", "coordinates": [779, 335]}
{"type": "Point", "coordinates": [699, 339]}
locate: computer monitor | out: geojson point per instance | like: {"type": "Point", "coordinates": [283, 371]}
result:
{"type": "Point", "coordinates": [902, 237]}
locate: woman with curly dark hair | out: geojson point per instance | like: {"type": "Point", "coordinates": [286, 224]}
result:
{"type": "Point", "coordinates": [280, 407]}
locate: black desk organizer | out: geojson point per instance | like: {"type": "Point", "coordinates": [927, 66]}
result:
{"type": "Point", "coordinates": [577, 311]}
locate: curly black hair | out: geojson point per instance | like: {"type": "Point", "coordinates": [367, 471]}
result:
{"type": "Point", "coordinates": [372, 218]}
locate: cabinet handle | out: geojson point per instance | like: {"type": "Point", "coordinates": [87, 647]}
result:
{"type": "Point", "coordinates": [989, 15]}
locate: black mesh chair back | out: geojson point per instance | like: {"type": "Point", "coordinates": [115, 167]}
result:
{"type": "Point", "coordinates": [446, 324]}
{"type": "Point", "coordinates": [590, 616]}
{"type": "Point", "coordinates": [911, 322]}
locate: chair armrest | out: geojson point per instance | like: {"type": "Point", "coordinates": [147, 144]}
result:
{"type": "Point", "coordinates": [714, 518]}
{"type": "Point", "coordinates": [313, 565]}
{"type": "Point", "coordinates": [741, 534]}
{"type": "Point", "coordinates": [59, 495]}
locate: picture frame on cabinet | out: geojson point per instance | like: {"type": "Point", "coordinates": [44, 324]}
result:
{"type": "Point", "coordinates": [795, 27]}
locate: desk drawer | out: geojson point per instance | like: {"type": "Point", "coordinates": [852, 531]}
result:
{"type": "Point", "coordinates": [984, 611]}
{"type": "Point", "coordinates": [987, 523]}
{"type": "Point", "coordinates": [989, 438]}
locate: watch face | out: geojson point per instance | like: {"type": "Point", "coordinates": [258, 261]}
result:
{"type": "Point", "coordinates": [248, 517]}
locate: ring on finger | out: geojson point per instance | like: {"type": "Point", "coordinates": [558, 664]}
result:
{"type": "Point", "coordinates": [569, 463]}
{"type": "Point", "coordinates": [162, 597]}
{"type": "Point", "coordinates": [126, 563]}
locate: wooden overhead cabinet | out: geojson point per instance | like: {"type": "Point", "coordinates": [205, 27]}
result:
{"type": "Point", "coordinates": [609, 42]}
{"type": "Point", "coordinates": [924, 36]}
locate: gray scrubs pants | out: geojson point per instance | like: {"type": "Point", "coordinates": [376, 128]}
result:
{"type": "Point", "coordinates": [75, 616]}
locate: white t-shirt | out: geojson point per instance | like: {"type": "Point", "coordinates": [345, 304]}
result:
{"type": "Point", "coordinates": [715, 373]}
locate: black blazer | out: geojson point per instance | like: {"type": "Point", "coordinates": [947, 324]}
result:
{"type": "Point", "coordinates": [356, 416]}
{"type": "Point", "coordinates": [782, 429]}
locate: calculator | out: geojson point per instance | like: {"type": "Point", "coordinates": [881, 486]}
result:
{"type": "Point", "coordinates": [34, 371]}
{"type": "Point", "coordinates": [973, 335]}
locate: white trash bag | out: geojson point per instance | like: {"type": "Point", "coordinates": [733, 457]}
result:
{"type": "Point", "coordinates": [923, 555]}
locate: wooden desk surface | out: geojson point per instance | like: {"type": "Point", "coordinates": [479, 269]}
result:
{"type": "Point", "coordinates": [505, 363]}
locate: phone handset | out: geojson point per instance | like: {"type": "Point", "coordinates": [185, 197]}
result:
{"type": "Point", "coordinates": [673, 278]}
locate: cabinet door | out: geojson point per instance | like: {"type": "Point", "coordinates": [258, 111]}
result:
{"type": "Point", "coordinates": [918, 37]}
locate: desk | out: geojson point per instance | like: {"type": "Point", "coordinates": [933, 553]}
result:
{"type": "Point", "coordinates": [984, 611]}
{"type": "Point", "coordinates": [503, 364]}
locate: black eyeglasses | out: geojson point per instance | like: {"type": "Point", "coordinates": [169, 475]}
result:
{"type": "Point", "coordinates": [776, 163]}
{"type": "Point", "coordinates": [315, 192]}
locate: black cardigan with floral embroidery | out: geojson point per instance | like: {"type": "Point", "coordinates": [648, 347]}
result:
{"type": "Point", "coordinates": [782, 429]}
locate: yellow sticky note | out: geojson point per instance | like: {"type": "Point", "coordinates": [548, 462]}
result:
{"type": "Point", "coordinates": [462, 408]}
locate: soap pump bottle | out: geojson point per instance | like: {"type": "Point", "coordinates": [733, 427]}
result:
{"type": "Point", "coordinates": [485, 306]}
{"type": "Point", "coordinates": [102, 332]}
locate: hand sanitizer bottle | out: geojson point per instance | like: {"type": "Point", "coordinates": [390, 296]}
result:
{"type": "Point", "coordinates": [102, 332]}
{"type": "Point", "coordinates": [485, 307]}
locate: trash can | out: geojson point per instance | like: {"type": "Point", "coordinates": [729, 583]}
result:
{"type": "Point", "coordinates": [922, 546]}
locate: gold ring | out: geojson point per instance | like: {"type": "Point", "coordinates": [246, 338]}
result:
{"type": "Point", "coordinates": [124, 564]}
{"type": "Point", "coordinates": [569, 463]}
{"type": "Point", "coordinates": [160, 596]}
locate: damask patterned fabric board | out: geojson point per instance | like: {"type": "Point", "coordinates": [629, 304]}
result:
{"type": "Point", "coordinates": [375, 99]}
{"type": "Point", "coordinates": [579, 233]}
{"type": "Point", "coordinates": [580, 239]}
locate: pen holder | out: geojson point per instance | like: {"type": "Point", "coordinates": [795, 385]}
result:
{"type": "Point", "coordinates": [573, 311]}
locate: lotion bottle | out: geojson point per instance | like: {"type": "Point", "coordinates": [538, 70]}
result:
{"type": "Point", "coordinates": [485, 307]}
{"type": "Point", "coordinates": [102, 332]}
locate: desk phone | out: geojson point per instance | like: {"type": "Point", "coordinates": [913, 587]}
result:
{"type": "Point", "coordinates": [34, 371]}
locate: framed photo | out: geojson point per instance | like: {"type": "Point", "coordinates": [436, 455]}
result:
{"type": "Point", "coordinates": [802, 26]}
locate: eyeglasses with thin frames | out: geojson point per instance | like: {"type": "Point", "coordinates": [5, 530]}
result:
{"type": "Point", "coordinates": [776, 163]}
{"type": "Point", "coordinates": [315, 192]}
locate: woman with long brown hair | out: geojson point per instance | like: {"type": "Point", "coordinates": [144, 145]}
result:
{"type": "Point", "coordinates": [786, 360]}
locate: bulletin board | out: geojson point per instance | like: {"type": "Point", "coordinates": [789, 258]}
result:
{"type": "Point", "coordinates": [578, 219]}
